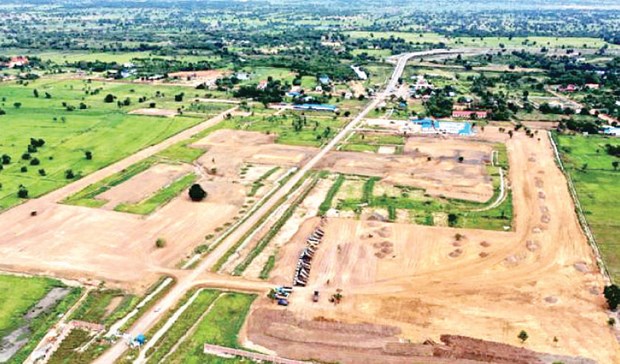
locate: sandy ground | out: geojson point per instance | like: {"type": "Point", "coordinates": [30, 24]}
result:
{"type": "Point", "coordinates": [424, 282]}
{"type": "Point", "coordinates": [442, 175]}
{"type": "Point", "coordinates": [155, 112]}
{"type": "Point", "coordinates": [195, 78]}
{"type": "Point", "coordinates": [144, 184]}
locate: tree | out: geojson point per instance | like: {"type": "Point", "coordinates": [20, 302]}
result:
{"type": "Point", "coordinates": [523, 336]}
{"type": "Point", "coordinates": [17, 105]}
{"type": "Point", "coordinates": [109, 98]}
{"type": "Point", "coordinates": [160, 242]}
{"type": "Point", "coordinates": [6, 159]}
{"type": "Point", "coordinates": [22, 192]}
{"type": "Point", "coordinates": [196, 193]}
{"type": "Point", "coordinates": [615, 164]}
{"type": "Point", "coordinates": [452, 219]}
{"type": "Point", "coordinates": [88, 154]}
{"type": "Point", "coordinates": [69, 174]}
{"type": "Point", "coordinates": [179, 97]}
{"type": "Point", "coordinates": [35, 92]}
{"type": "Point", "coordinates": [612, 295]}
{"type": "Point", "coordinates": [35, 162]}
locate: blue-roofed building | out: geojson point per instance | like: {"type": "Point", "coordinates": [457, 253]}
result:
{"type": "Point", "coordinates": [293, 94]}
{"type": "Point", "coordinates": [430, 126]}
{"type": "Point", "coordinates": [324, 80]}
{"type": "Point", "coordinates": [611, 130]}
{"type": "Point", "coordinates": [316, 107]}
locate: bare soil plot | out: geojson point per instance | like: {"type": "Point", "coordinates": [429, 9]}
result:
{"type": "Point", "coordinates": [248, 147]}
{"type": "Point", "coordinates": [155, 112]}
{"type": "Point", "coordinates": [143, 184]}
{"type": "Point", "coordinates": [97, 244]}
{"type": "Point", "coordinates": [441, 175]}
{"type": "Point", "coordinates": [427, 282]}
{"type": "Point", "coordinates": [195, 78]}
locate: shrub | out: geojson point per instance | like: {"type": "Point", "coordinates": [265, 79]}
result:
{"type": "Point", "coordinates": [196, 193]}
{"type": "Point", "coordinates": [160, 243]}
{"type": "Point", "coordinates": [22, 192]}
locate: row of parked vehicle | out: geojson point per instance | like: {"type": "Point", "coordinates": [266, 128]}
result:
{"type": "Point", "coordinates": [302, 272]}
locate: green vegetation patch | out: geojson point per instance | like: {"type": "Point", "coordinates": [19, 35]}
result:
{"type": "Point", "coordinates": [19, 295]}
{"type": "Point", "coordinates": [220, 327]}
{"type": "Point", "coordinates": [105, 306]}
{"type": "Point", "coordinates": [597, 182]}
{"type": "Point", "coordinates": [185, 322]}
{"type": "Point", "coordinates": [81, 131]}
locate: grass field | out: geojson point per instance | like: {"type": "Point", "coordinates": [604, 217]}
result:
{"type": "Point", "coordinates": [104, 129]}
{"type": "Point", "coordinates": [105, 306]}
{"type": "Point", "coordinates": [18, 296]}
{"type": "Point", "coordinates": [220, 327]}
{"type": "Point", "coordinates": [316, 128]}
{"type": "Point", "coordinates": [553, 42]}
{"type": "Point", "coordinates": [598, 189]}
{"type": "Point", "coordinates": [182, 325]}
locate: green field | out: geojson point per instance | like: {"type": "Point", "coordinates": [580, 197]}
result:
{"type": "Point", "coordinates": [220, 327]}
{"type": "Point", "coordinates": [598, 189]}
{"type": "Point", "coordinates": [553, 42]}
{"type": "Point", "coordinates": [104, 129]}
{"type": "Point", "coordinates": [19, 295]}
{"type": "Point", "coordinates": [98, 307]}
{"type": "Point", "coordinates": [182, 325]}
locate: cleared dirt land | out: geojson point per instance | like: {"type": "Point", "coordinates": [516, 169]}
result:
{"type": "Point", "coordinates": [119, 248]}
{"type": "Point", "coordinates": [417, 283]}
{"type": "Point", "coordinates": [144, 184]}
{"type": "Point", "coordinates": [441, 175]}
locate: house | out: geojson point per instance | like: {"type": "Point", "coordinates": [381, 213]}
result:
{"type": "Point", "coordinates": [461, 106]}
{"type": "Point", "coordinates": [348, 95]}
{"type": "Point", "coordinates": [318, 88]}
{"type": "Point", "coordinates": [18, 61]}
{"type": "Point", "coordinates": [468, 114]}
{"type": "Point", "coordinates": [421, 84]}
{"type": "Point", "coordinates": [324, 80]}
{"type": "Point", "coordinates": [242, 76]}
{"type": "Point", "coordinates": [569, 88]}
{"type": "Point", "coordinates": [262, 85]}
{"type": "Point", "coordinates": [592, 86]}
{"type": "Point", "coordinates": [315, 107]}
{"type": "Point", "coordinates": [610, 130]}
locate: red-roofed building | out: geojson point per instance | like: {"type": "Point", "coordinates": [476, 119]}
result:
{"type": "Point", "coordinates": [262, 85]}
{"type": "Point", "coordinates": [568, 88]}
{"type": "Point", "coordinates": [18, 61]}
{"type": "Point", "coordinates": [467, 114]}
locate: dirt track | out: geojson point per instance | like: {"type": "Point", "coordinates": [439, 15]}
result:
{"type": "Point", "coordinates": [541, 278]}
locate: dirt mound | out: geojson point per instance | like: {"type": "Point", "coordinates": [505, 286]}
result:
{"type": "Point", "coordinates": [461, 347]}
{"type": "Point", "coordinates": [532, 245]}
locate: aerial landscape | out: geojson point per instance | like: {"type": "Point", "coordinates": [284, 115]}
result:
{"type": "Point", "coordinates": [321, 181]}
